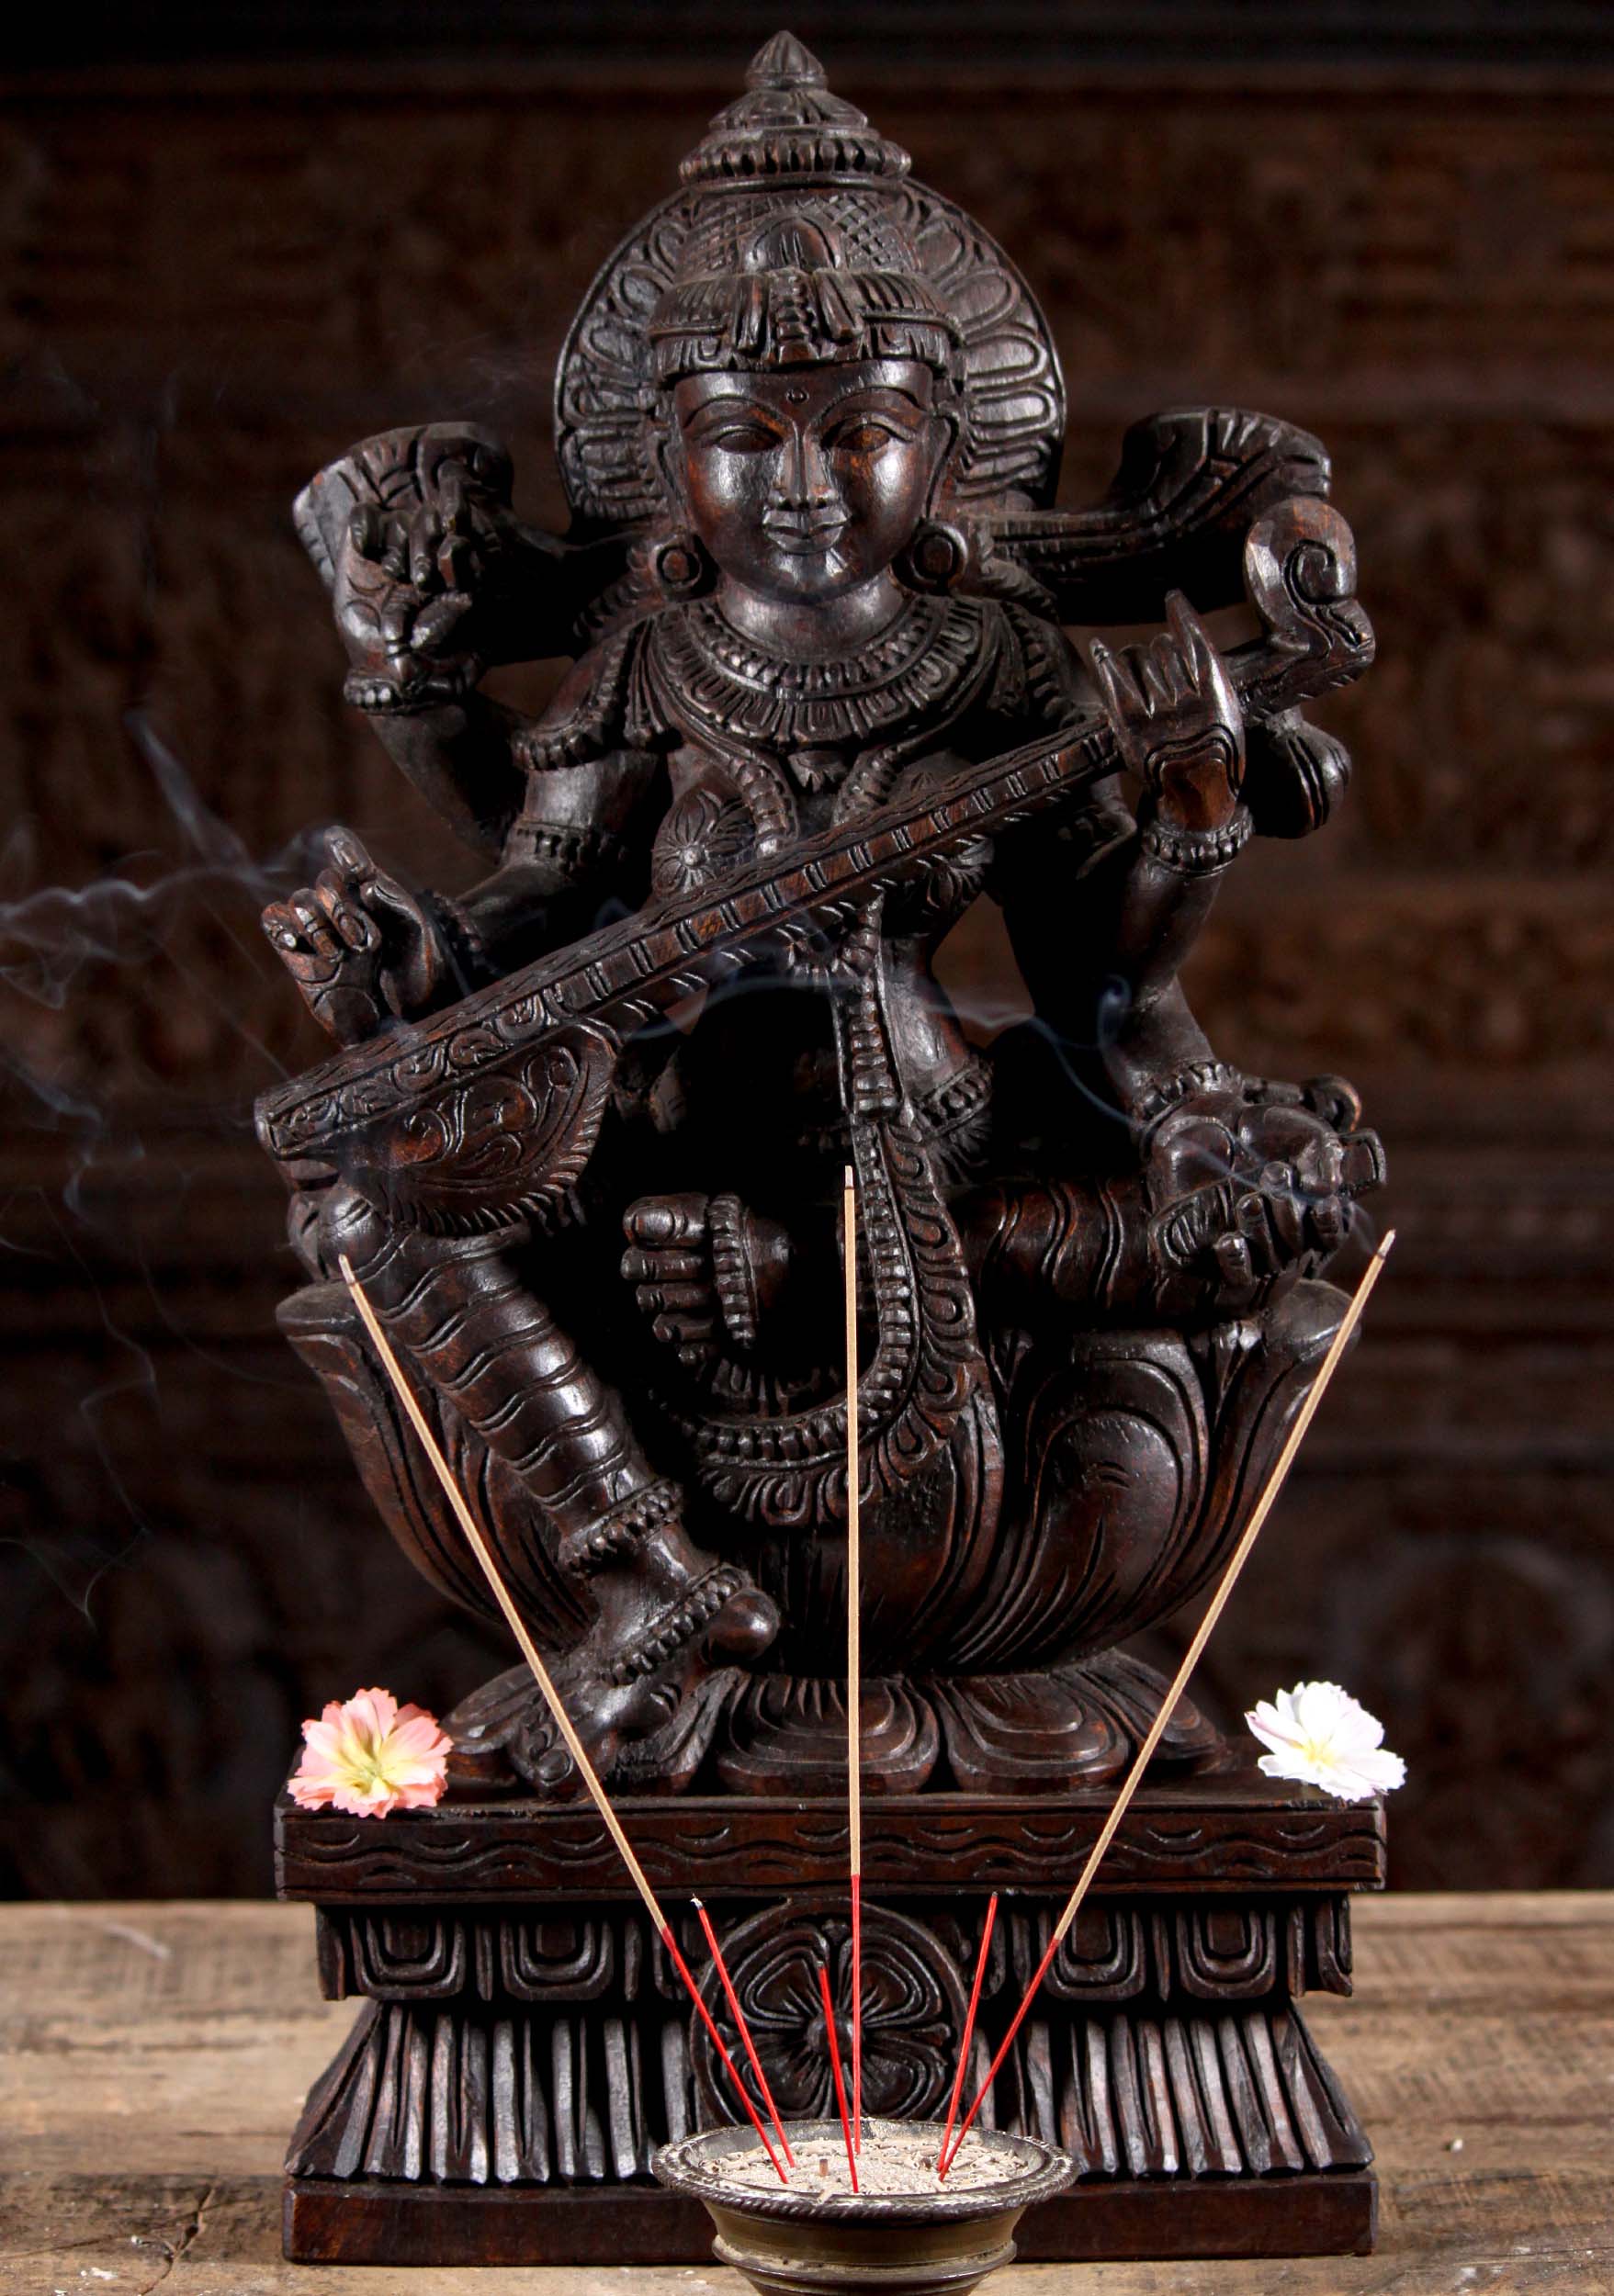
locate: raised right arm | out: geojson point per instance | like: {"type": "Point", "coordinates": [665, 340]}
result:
{"type": "Point", "coordinates": [433, 580]}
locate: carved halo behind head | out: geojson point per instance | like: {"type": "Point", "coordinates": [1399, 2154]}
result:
{"type": "Point", "coordinates": [799, 236]}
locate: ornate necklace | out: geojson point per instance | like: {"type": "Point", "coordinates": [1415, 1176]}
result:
{"type": "Point", "coordinates": [729, 689]}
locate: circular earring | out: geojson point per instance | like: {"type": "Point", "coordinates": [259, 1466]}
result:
{"type": "Point", "coordinates": [679, 565]}
{"type": "Point", "coordinates": [936, 559]}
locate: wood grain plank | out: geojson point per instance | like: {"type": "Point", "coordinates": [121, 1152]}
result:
{"type": "Point", "coordinates": [152, 2056]}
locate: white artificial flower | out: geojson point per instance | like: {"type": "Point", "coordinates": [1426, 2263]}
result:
{"type": "Point", "coordinates": [1319, 1734]}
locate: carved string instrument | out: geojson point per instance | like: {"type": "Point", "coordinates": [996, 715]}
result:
{"type": "Point", "coordinates": [493, 1106]}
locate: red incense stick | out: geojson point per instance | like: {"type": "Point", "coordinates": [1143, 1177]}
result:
{"type": "Point", "coordinates": [835, 2065]}
{"type": "Point", "coordinates": [969, 2028]}
{"type": "Point", "coordinates": [1145, 1752]}
{"type": "Point", "coordinates": [737, 2014]}
{"type": "Point", "coordinates": [729, 2064]}
{"type": "Point", "coordinates": [853, 1662]}
{"type": "Point", "coordinates": [857, 2012]}
{"type": "Point", "coordinates": [552, 1698]}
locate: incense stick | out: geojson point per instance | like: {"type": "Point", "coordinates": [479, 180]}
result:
{"type": "Point", "coordinates": [853, 1660]}
{"type": "Point", "coordinates": [835, 2068]}
{"type": "Point", "coordinates": [737, 2014]}
{"type": "Point", "coordinates": [1274, 1484]}
{"type": "Point", "coordinates": [552, 1698]}
{"type": "Point", "coordinates": [969, 2027]}
{"type": "Point", "coordinates": [670, 1942]}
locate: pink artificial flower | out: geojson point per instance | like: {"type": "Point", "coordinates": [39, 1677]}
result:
{"type": "Point", "coordinates": [371, 1757]}
{"type": "Point", "coordinates": [1320, 1735]}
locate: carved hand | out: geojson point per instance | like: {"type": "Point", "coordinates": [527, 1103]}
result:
{"type": "Point", "coordinates": [414, 592]}
{"type": "Point", "coordinates": [668, 1265]}
{"type": "Point", "coordinates": [1177, 720]}
{"type": "Point", "coordinates": [360, 948]}
{"type": "Point", "coordinates": [1247, 1193]}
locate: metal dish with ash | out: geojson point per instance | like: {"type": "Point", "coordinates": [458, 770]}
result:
{"type": "Point", "coordinates": [907, 2233]}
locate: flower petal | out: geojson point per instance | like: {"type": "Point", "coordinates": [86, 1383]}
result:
{"type": "Point", "coordinates": [1320, 1735]}
{"type": "Point", "coordinates": [368, 1756]}
{"type": "Point", "coordinates": [1270, 1726]}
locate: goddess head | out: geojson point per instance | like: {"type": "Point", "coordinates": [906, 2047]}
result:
{"type": "Point", "coordinates": [806, 381]}
{"type": "Point", "coordinates": [802, 367]}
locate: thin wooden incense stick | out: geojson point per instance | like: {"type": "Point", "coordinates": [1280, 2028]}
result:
{"type": "Point", "coordinates": [835, 2068]}
{"type": "Point", "coordinates": [552, 1699]}
{"type": "Point", "coordinates": [1145, 1752]}
{"type": "Point", "coordinates": [969, 2028]}
{"type": "Point", "coordinates": [737, 2014]}
{"type": "Point", "coordinates": [853, 1662]}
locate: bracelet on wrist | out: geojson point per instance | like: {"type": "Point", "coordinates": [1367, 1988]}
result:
{"type": "Point", "coordinates": [379, 695]}
{"type": "Point", "coordinates": [1197, 853]}
{"type": "Point", "coordinates": [734, 1278]}
{"type": "Point", "coordinates": [1170, 1092]}
{"type": "Point", "coordinates": [462, 944]}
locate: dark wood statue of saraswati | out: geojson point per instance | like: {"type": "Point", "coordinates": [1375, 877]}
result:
{"type": "Point", "coordinates": [582, 1140]}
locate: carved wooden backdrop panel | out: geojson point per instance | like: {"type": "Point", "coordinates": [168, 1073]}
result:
{"type": "Point", "coordinates": [208, 294]}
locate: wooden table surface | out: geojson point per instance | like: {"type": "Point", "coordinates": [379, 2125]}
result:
{"type": "Point", "coordinates": [155, 2058]}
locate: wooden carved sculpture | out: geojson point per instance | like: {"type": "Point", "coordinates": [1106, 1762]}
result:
{"type": "Point", "coordinates": [583, 1138]}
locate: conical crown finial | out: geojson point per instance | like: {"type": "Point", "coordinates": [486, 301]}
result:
{"type": "Point", "coordinates": [789, 128]}
{"type": "Point", "coordinates": [784, 62]}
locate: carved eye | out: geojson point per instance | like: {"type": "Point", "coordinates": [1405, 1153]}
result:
{"type": "Point", "coordinates": [864, 437]}
{"type": "Point", "coordinates": [741, 438]}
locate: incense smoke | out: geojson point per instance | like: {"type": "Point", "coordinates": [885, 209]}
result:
{"type": "Point", "coordinates": [55, 943]}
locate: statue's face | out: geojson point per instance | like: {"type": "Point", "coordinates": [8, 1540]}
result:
{"type": "Point", "coordinates": [804, 483]}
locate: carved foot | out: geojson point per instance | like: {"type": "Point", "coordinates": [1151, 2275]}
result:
{"type": "Point", "coordinates": [504, 1735]}
{"type": "Point", "coordinates": [646, 1684]}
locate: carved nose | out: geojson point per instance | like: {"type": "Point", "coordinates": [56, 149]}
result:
{"type": "Point", "coordinates": [803, 481]}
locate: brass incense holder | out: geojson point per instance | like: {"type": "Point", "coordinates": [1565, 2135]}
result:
{"type": "Point", "coordinates": [789, 2240]}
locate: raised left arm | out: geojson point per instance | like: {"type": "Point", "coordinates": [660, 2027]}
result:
{"type": "Point", "coordinates": [1180, 731]}
{"type": "Point", "coordinates": [1103, 911]}
{"type": "Point", "coordinates": [1241, 1184]}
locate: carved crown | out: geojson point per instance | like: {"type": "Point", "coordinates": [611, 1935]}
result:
{"type": "Point", "coordinates": [787, 127]}
{"type": "Point", "coordinates": [799, 233]}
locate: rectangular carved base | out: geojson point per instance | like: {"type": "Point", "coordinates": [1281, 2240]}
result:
{"type": "Point", "coordinates": [524, 2044]}
{"type": "Point", "coordinates": [375, 2222]}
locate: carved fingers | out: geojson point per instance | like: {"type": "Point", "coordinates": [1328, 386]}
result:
{"type": "Point", "coordinates": [335, 975]}
{"type": "Point", "coordinates": [359, 947]}
{"type": "Point", "coordinates": [1177, 720]}
{"type": "Point", "coordinates": [437, 545]}
{"type": "Point", "coordinates": [414, 958]}
{"type": "Point", "coordinates": [433, 627]}
{"type": "Point", "coordinates": [669, 1264]}
{"type": "Point", "coordinates": [411, 582]}
{"type": "Point", "coordinates": [1248, 1196]}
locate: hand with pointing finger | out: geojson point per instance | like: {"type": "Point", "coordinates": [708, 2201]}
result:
{"type": "Point", "coordinates": [361, 949]}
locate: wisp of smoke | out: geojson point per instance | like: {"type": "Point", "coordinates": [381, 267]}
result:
{"type": "Point", "coordinates": [51, 940]}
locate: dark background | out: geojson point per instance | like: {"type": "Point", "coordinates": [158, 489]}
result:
{"type": "Point", "coordinates": [233, 241]}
